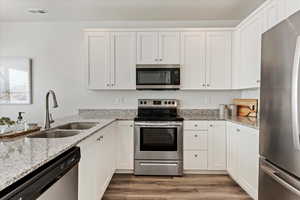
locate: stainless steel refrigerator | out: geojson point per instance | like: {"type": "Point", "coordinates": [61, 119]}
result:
{"type": "Point", "coordinates": [279, 177]}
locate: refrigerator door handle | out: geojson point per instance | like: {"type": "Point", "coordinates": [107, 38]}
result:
{"type": "Point", "coordinates": [276, 175]}
{"type": "Point", "coordinates": [295, 96]}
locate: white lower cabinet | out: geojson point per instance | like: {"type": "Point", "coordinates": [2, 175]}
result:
{"type": "Point", "coordinates": [97, 164]}
{"type": "Point", "coordinates": [125, 145]}
{"type": "Point", "coordinates": [217, 146]}
{"type": "Point", "coordinates": [204, 145]}
{"type": "Point", "coordinates": [243, 157]}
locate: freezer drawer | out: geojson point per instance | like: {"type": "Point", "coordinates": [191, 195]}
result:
{"type": "Point", "coordinates": [274, 184]}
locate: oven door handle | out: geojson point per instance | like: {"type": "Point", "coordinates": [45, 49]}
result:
{"type": "Point", "coordinates": [158, 164]}
{"type": "Point", "coordinates": [145, 124]}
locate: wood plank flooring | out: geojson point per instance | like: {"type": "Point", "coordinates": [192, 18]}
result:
{"type": "Point", "coordinates": [189, 187]}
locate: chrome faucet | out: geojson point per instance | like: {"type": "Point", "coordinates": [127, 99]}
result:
{"type": "Point", "coordinates": [49, 119]}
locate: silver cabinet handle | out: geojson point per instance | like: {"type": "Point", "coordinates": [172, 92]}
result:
{"type": "Point", "coordinates": [195, 136]}
{"type": "Point", "coordinates": [195, 155]}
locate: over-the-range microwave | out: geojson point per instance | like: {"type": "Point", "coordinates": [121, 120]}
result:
{"type": "Point", "coordinates": [158, 77]}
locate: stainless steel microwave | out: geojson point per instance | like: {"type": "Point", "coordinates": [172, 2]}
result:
{"type": "Point", "coordinates": [158, 77]}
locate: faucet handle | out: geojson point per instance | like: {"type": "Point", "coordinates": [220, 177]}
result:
{"type": "Point", "coordinates": [51, 118]}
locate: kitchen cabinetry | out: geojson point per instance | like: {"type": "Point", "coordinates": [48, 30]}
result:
{"type": "Point", "coordinates": [204, 145]}
{"type": "Point", "coordinates": [251, 35]}
{"type": "Point", "coordinates": [125, 145]}
{"type": "Point", "coordinates": [292, 6]}
{"type": "Point", "coordinates": [97, 164]}
{"type": "Point", "coordinates": [217, 146]}
{"type": "Point", "coordinates": [98, 60]}
{"type": "Point", "coordinates": [206, 60]}
{"type": "Point", "coordinates": [243, 156]}
{"type": "Point", "coordinates": [111, 58]}
{"type": "Point", "coordinates": [273, 13]}
{"type": "Point", "coordinates": [218, 60]}
{"type": "Point", "coordinates": [158, 48]}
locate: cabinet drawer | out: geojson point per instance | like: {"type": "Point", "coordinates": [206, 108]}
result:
{"type": "Point", "coordinates": [196, 125]}
{"type": "Point", "coordinates": [195, 160]}
{"type": "Point", "coordinates": [195, 140]}
{"type": "Point", "coordinates": [217, 123]}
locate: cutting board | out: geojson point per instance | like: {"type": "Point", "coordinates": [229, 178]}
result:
{"type": "Point", "coordinates": [246, 107]}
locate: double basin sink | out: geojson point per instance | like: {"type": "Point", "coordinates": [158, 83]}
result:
{"type": "Point", "coordinates": [66, 130]}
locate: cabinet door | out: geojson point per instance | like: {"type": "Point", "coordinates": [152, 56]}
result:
{"type": "Point", "coordinates": [123, 59]}
{"type": "Point", "coordinates": [232, 132]}
{"type": "Point", "coordinates": [193, 55]}
{"type": "Point", "coordinates": [169, 47]}
{"type": "Point", "coordinates": [195, 140]}
{"type": "Point", "coordinates": [195, 160]}
{"type": "Point", "coordinates": [88, 169]}
{"type": "Point", "coordinates": [251, 53]}
{"type": "Point", "coordinates": [249, 160]}
{"type": "Point", "coordinates": [147, 48]}
{"type": "Point", "coordinates": [106, 159]}
{"type": "Point", "coordinates": [217, 147]}
{"type": "Point", "coordinates": [218, 59]}
{"type": "Point", "coordinates": [273, 14]}
{"type": "Point", "coordinates": [125, 147]}
{"type": "Point", "coordinates": [292, 6]}
{"type": "Point", "coordinates": [98, 60]}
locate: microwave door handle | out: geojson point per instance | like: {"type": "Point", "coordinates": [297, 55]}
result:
{"type": "Point", "coordinates": [295, 96]}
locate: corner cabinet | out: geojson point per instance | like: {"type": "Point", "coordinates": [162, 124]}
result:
{"type": "Point", "coordinates": [243, 157]}
{"type": "Point", "coordinates": [158, 48]}
{"type": "Point", "coordinates": [111, 58]}
{"type": "Point", "coordinates": [206, 60]}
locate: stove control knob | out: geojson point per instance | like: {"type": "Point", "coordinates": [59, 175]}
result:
{"type": "Point", "coordinates": [173, 102]}
{"type": "Point", "coordinates": [141, 102]}
{"type": "Point", "coordinates": [145, 102]}
{"type": "Point", "coordinates": [166, 102]}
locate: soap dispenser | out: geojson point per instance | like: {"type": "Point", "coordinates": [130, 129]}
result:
{"type": "Point", "coordinates": [20, 122]}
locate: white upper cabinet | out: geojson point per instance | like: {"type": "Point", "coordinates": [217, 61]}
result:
{"type": "Point", "coordinates": [98, 60]}
{"type": "Point", "coordinates": [292, 6]}
{"type": "Point", "coordinates": [111, 59]}
{"type": "Point", "coordinates": [158, 48]}
{"type": "Point", "coordinates": [274, 12]}
{"type": "Point", "coordinates": [169, 47]}
{"type": "Point", "coordinates": [250, 64]}
{"type": "Point", "coordinates": [123, 58]}
{"type": "Point", "coordinates": [147, 48]}
{"type": "Point", "coordinates": [218, 60]}
{"type": "Point", "coordinates": [193, 60]}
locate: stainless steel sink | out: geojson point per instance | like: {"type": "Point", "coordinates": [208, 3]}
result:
{"type": "Point", "coordinates": [54, 134]}
{"type": "Point", "coordinates": [78, 126]}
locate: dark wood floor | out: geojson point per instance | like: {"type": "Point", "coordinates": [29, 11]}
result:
{"type": "Point", "coordinates": [189, 187]}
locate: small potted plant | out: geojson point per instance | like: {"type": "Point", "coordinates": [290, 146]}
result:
{"type": "Point", "coordinates": [5, 124]}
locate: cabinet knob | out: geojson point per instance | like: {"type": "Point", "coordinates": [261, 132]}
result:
{"type": "Point", "coordinates": [207, 85]}
{"type": "Point", "coordinates": [107, 84]}
{"type": "Point", "coordinates": [161, 59]}
{"type": "Point", "coordinates": [196, 125]}
{"type": "Point", "coordinates": [211, 125]}
{"type": "Point", "coordinates": [203, 85]}
{"type": "Point", "coordinates": [238, 130]}
{"type": "Point", "coordinates": [100, 138]}
{"type": "Point", "coordinates": [258, 81]}
{"type": "Point", "coordinates": [195, 155]}
{"type": "Point", "coordinates": [195, 136]}
{"type": "Point", "coordinates": [131, 126]}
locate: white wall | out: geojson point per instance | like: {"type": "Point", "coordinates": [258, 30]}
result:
{"type": "Point", "coordinates": [58, 63]}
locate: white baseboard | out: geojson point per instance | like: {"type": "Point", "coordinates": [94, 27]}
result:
{"type": "Point", "coordinates": [204, 172]}
{"type": "Point", "coordinates": [124, 171]}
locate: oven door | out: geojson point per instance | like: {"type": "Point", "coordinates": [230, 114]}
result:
{"type": "Point", "coordinates": [157, 78]}
{"type": "Point", "coordinates": [158, 140]}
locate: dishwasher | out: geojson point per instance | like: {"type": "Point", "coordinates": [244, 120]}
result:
{"type": "Point", "coordinates": [56, 180]}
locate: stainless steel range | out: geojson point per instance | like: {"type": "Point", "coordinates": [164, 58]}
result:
{"type": "Point", "coordinates": [158, 138]}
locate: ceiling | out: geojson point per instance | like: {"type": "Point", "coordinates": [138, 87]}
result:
{"type": "Point", "coordinates": [85, 10]}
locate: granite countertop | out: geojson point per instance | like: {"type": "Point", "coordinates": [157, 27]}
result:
{"type": "Point", "coordinates": [23, 155]}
